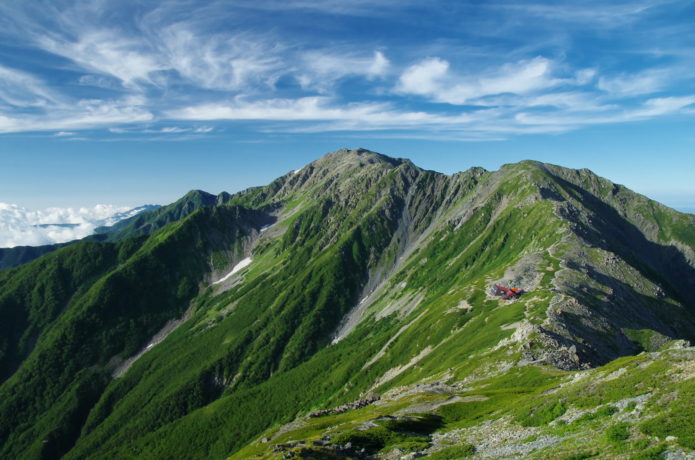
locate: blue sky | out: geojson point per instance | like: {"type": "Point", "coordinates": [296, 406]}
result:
{"type": "Point", "coordinates": [128, 103]}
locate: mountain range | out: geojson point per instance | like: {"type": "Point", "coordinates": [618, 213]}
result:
{"type": "Point", "coordinates": [347, 310]}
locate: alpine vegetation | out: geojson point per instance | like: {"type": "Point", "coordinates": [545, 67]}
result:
{"type": "Point", "coordinates": [361, 307]}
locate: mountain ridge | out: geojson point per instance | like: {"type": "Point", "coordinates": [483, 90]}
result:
{"type": "Point", "coordinates": [364, 274]}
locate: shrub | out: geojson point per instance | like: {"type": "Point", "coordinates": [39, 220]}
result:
{"type": "Point", "coordinates": [618, 432]}
{"type": "Point", "coordinates": [579, 455]}
{"type": "Point", "coordinates": [603, 412]}
{"type": "Point", "coordinates": [408, 433]}
{"type": "Point", "coordinates": [543, 414]}
{"type": "Point", "coordinates": [653, 453]}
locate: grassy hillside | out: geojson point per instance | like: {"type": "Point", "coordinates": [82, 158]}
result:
{"type": "Point", "coordinates": [95, 304]}
{"type": "Point", "coordinates": [625, 409]}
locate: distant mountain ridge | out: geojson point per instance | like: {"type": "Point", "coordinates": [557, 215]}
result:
{"type": "Point", "coordinates": [349, 303]}
{"type": "Point", "coordinates": [148, 222]}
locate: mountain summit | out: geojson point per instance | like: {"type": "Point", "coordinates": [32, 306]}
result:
{"type": "Point", "coordinates": [349, 310]}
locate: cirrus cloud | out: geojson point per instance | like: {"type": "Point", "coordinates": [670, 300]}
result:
{"type": "Point", "coordinates": [510, 67]}
{"type": "Point", "coordinates": [432, 78]}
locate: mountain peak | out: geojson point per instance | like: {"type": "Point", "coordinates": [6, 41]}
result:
{"type": "Point", "coordinates": [358, 156]}
{"type": "Point", "coordinates": [198, 196]}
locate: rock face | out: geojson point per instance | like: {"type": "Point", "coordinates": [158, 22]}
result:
{"type": "Point", "coordinates": [539, 345]}
{"type": "Point", "coordinates": [358, 404]}
{"type": "Point", "coordinates": [368, 274]}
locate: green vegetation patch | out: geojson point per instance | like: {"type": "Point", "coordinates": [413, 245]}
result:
{"type": "Point", "coordinates": [543, 414]}
{"type": "Point", "coordinates": [647, 339]}
{"type": "Point", "coordinates": [406, 433]}
{"type": "Point", "coordinates": [652, 453]}
{"type": "Point", "coordinates": [678, 421]}
{"type": "Point", "coordinates": [606, 411]}
{"type": "Point", "coordinates": [618, 432]}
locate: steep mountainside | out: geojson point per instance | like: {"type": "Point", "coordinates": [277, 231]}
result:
{"type": "Point", "coordinates": [359, 287]}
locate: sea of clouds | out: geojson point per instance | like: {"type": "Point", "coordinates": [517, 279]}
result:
{"type": "Point", "coordinates": [20, 226]}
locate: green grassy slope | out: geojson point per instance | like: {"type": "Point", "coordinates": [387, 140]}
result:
{"type": "Point", "coordinates": [81, 332]}
{"type": "Point", "coordinates": [625, 409]}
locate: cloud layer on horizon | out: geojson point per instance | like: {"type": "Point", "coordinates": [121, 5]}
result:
{"type": "Point", "coordinates": [464, 71]}
{"type": "Point", "coordinates": [20, 226]}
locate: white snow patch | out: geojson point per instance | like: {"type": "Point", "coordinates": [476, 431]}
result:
{"type": "Point", "coordinates": [264, 228]}
{"type": "Point", "coordinates": [122, 366]}
{"type": "Point", "coordinates": [244, 263]}
{"type": "Point", "coordinates": [295, 171]}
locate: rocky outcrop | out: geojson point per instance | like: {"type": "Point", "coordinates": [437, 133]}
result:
{"type": "Point", "coordinates": [358, 404]}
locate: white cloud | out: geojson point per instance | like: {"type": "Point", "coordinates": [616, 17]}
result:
{"type": "Point", "coordinates": [663, 106]}
{"type": "Point", "coordinates": [322, 114]}
{"type": "Point", "coordinates": [518, 78]}
{"type": "Point", "coordinates": [362, 115]}
{"type": "Point", "coordinates": [98, 81]}
{"type": "Point", "coordinates": [645, 82]}
{"type": "Point", "coordinates": [585, 76]}
{"type": "Point", "coordinates": [166, 130]}
{"type": "Point", "coordinates": [106, 52]}
{"type": "Point", "coordinates": [171, 61]}
{"type": "Point", "coordinates": [222, 61]}
{"type": "Point", "coordinates": [567, 101]}
{"type": "Point", "coordinates": [320, 70]}
{"type": "Point", "coordinates": [84, 114]}
{"type": "Point", "coordinates": [593, 14]}
{"type": "Point", "coordinates": [425, 78]}
{"type": "Point", "coordinates": [370, 8]}
{"type": "Point", "coordinates": [432, 78]}
{"type": "Point", "coordinates": [167, 41]}
{"type": "Point", "coordinates": [25, 227]}
{"type": "Point", "coordinates": [171, 45]}
{"type": "Point", "coordinates": [552, 113]}
{"type": "Point", "coordinates": [649, 109]}
{"type": "Point", "coordinates": [556, 112]}
{"type": "Point", "coordinates": [379, 64]}
{"type": "Point", "coordinates": [173, 129]}
{"type": "Point", "coordinates": [21, 89]}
